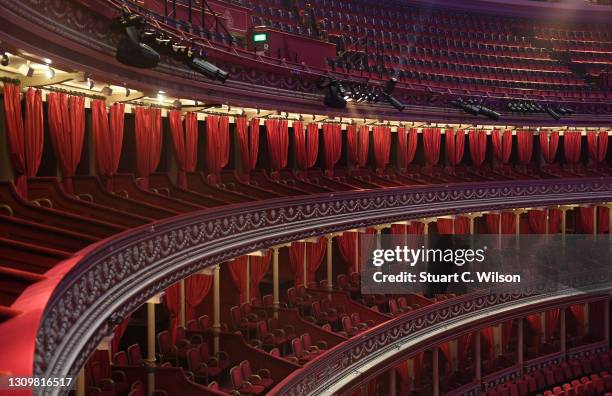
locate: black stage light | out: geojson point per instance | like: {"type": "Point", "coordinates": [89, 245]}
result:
{"type": "Point", "coordinates": [208, 69]}
{"type": "Point", "coordinates": [390, 85]}
{"type": "Point", "coordinates": [489, 113]}
{"type": "Point", "coordinates": [394, 102]}
{"type": "Point", "coordinates": [552, 113]}
{"type": "Point", "coordinates": [334, 96]}
{"type": "Point", "coordinates": [130, 50]}
{"type": "Point", "coordinates": [5, 59]}
{"type": "Point", "coordinates": [471, 109]}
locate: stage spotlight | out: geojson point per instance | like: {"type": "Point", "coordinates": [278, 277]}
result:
{"type": "Point", "coordinates": [130, 51]}
{"type": "Point", "coordinates": [91, 83]}
{"type": "Point", "coordinates": [489, 113]}
{"type": "Point", "coordinates": [394, 102]}
{"type": "Point", "coordinates": [334, 97]}
{"type": "Point", "coordinates": [208, 69]}
{"type": "Point", "coordinates": [390, 85]}
{"type": "Point", "coordinates": [5, 59]}
{"type": "Point", "coordinates": [552, 113]}
{"type": "Point", "coordinates": [106, 91]}
{"type": "Point", "coordinates": [50, 73]}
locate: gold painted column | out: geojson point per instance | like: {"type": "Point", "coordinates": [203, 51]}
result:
{"type": "Point", "coordinates": [411, 373]}
{"type": "Point", "coordinates": [275, 288]}
{"type": "Point", "coordinates": [330, 270]}
{"type": "Point", "coordinates": [547, 216]}
{"type": "Point", "coordinates": [356, 268]}
{"type": "Point", "coordinates": [436, 372]}
{"type": "Point", "coordinates": [248, 279]}
{"type": "Point", "coordinates": [151, 358]}
{"type": "Point", "coordinates": [595, 225]}
{"type": "Point", "coordinates": [543, 327]}
{"type": "Point", "coordinates": [497, 339]}
{"type": "Point", "coordinates": [216, 326]}
{"type": "Point", "coordinates": [453, 354]}
{"type": "Point", "coordinates": [305, 266]}
{"type": "Point", "coordinates": [80, 383]}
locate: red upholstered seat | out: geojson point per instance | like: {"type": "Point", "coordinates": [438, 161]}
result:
{"type": "Point", "coordinates": [262, 378]}
{"type": "Point", "coordinates": [550, 377]}
{"type": "Point", "coordinates": [135, 355]}
{"type": "Point", "coordinates": [270, 339]}
{"type": "Point", "coordinates": [312, 347]}
{"type": "Point", "coordinates": [240, 384]}
{"type": "Point", "coordinates": [513, 388]}
{"type": "Point", "coordinates": [604, 358]}
{"type": "Point", "coordinates": [595, 364]}
{"type": "Point", "coordinates": [299, 352]}
{"type": "Point", "coordinates": [523, 387]}
{"type": "Point", "coordinates": [121, 359]}
{"type": "Point", "coordinates": [559, 375]}
{"type": "Point", "coordinates": [532, 383]}
{"type": "Point", "coordinates": [576, 368]}
{"type": "Point", "coordinates": [222, 357]}
{"type": "Point", "coordinates": [204, 322]}
{"type": "Point", "coordinates": [540, 380]}
{"type": "Point", "coordinates": [202, 370]}
{"type": "Point", "coordinates": [288, 330]}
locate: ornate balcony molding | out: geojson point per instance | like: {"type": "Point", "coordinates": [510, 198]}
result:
{"type": "Point", "coordinates": [116, 276]}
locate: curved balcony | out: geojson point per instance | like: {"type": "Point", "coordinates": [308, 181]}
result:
{"type": "Point", "coordinates": [90, 293]}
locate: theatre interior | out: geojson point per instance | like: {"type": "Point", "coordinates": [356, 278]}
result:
{"type": "Point", "coordinates": [186, 188]}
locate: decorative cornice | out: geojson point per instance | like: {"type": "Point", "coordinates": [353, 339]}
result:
{"type": "Point", "coordinates": [118, 275]}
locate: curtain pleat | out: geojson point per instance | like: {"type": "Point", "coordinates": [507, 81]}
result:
{"type": "Point", "coordinates": [67, 130]}
{"type": "Point", "coordinates": [314, 257]}
{"type": "Point", "coordinates": [217, 146]}
{"type": "Point", "coordinates": [502, 145]}
{"type": "Point", "coordinates": [431, 145]}
{"type": "Point", "coordinates": [455, 146]}
{"type": "Point", "coordinates": [278, 143]}
{"type": "Point", "coordinates": [478, 147]}
{"type": "Point", "coordinates": [238, 272]}
{"type": "Point", "coordinates": [572, 146]}
{"type": "Point", "coordinates": [382, 146]}
{"type": "Point", "coordinates": [549, 142]}
{"type": "Point", "coordinates": [407, 145]}
{"type": "Point", "coordinates": [332, 144]}
{"type": "Point", "coordinates": [178, 142]}
{"type": "Point", "coordinates": [525, 146]}
{"type": "Point", "coordinates": [172, 301]}
{"type": "Point", "coordinates": [197, 288]}
{"type": "Point", "coordinates": [259, 268]}
{"type": "Point", "coordinates": [148, 142]}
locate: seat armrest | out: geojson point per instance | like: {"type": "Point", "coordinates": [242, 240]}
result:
{"type": "Point", "coordinates": [254, 379]}
{"type": "Point", "coordinates": [263, 373]}
{"type": "Point", "coordinates": [107, 384]}
{"type": "Point", "coordinates": [85, 197]}
{"type": "Point", "coordinates": [222, 355]}
{"type": "Point", "coordinates": [279, 332]}
{"type": "Point", "coordinates": [118, 376]}
{"type": "Point", "coordinates": [321, 344]}
{"type": "Point", "coordinates": [212, 362]}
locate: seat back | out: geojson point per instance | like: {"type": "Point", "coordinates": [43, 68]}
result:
{"type": "Point", "coordinates": [393, 306]}
{"type": "Point", "coordinates": [316, 309]}
{"type": "Point", "coordinates": [355, 279]}
{"type": "Point", "coordinates": [204, 351]}
{"type": "Point", "coordinates": [193, 359]}
{"type": "Point", "coordinates": [214, 385]}
{"type": "Point", "coordinates": [306, 341]}
{"type": "Point", "coordinates": [245, 309]}
{"type": "Point", "coordinates": [292, 296]}
{"type": "Point", "coordinates": [355, 318]}
{"type": "Point", "coordinates": [180, 333]}
{"type": "Point", "coordinates": [236, 377]}
{"type": "Point", "coordinates": [192, 325]}
{"type": "Point", "coordinates": [245, 367]}
{"type": "Point", "coordinates": [163, 341]}
{"type": "Point", "coordinates": [296, 345]}
{"type": "Point", "coordinates": [301, 291]}
{"type": "Point", "coordinates": [120, 359]}
{"type": "Point", "coordinates": [262, 329]}
{"type": "Point", "coordinates": [342, 281]}
{"type": "Point", "coordinates": [268, 300]}
{"type": "Point", "coordinates": [236, 317]}
{"type": "Point", "coordinates": [134, 354]}
{"type": "Point", "coordinates": [347, 325]}
{"type": "Point", "coordinates": [204, 322]}
{"type": "Point", "coordinates": [275, 352]}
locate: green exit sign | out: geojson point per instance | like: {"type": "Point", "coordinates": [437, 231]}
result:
{"type": "Point", "coordinates": [260, 37]}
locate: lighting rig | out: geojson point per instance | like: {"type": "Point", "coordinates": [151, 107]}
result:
{"type": "Point", "coordinates": [142, 45]}
{"type": "Point", "coordinates": [339, 93]}
{"type": "Point", "coordinates": [527, 107]}
{"type": "Point", "coordinates": [475, 107]}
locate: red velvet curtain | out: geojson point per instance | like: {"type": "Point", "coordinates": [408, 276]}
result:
{"type": "Point", "coordinates": [431, 145]}
{"type": "Point", "coordinates": [462, 225]}
{"type": "Point", "coordinates": [525, 146]}
{"type": "Point", "coordinates": [455, 144]}
{"type": "Point", "coordinates": [598, 146]}
{"type": "Point", "coordinates": [25, 142]}
{"type": "Point", "coordinates": [238, 272]}
{"type": "Point", "coordinates": [185, 143]}
{"type": "Point", "coordinates": [197, 288]}
{"type": "Point", "coordinates": [118, 333]}
{"type": "Point", "coordinates": [508, 223]}
{"type": "Point", "coordinates": [488, 341]}
{"type": "Point", "coordinates": [586, 220]}
{"type": "Point", "coordinates": [537, 221]}
{"type": "Point", "coordinates": [464, 344]}
{"type": "Point", "coordinates": [346, 245]}
{"type": "Point", "coordinates": [108, 138]}
{"type": "Point", "coordinates": [445, 349]}
{"type": "Point", "coordinates": [332, 144]}
{"type": "Point", "coordinates": [382, 146]}
{"type": "Point", "coordinates": [578, 312]}
{"type": "Point", "coordinates": [66, 116]}
{"type": "Point", "coordinates": [416, 227]}
{"type": "Point", "coordinates": [554, 221]}
{"type": "Point", "coordinates": [172, 301]}
{"type": "Point", "coordinates": [535, 323]}
{"type": "Point", "coordinates": [552, 323]}
{"type": "Point", "coordinates": [148, 142]}
{"type": "Point", "coordinates": [278, 143]}
{"type": "Point", "coordinates": [217, 146]}
{"type": "Point", "coordinates": [314, 257]}
{"type": "Point", "coordinates": [572, 146]}
{"type": "Point", "coordinates": [312, 143]}
{"type": "Point", "coordinates": [549, 142]}
{"type": "Point", "coordinates": [492, 223]}
{"type": "Point", "coordinates": [299, 145]}
{"type": "Point", "coordinates": [478, 147]}
{"type": "Point", "coordinates": [248, 143]}
{"type": "Point", "coordinates": [407, 145]}
{"type": "Point", "coordinates": [358, 142]}
{"type": "Point", "coordinates": [603, 220]}
{"type": "Point", "coordinates": [445, 226]}
{"type": "Point", "coordinates": [502, 145]}
{"type": "Point", "coordinates": [259, 268]}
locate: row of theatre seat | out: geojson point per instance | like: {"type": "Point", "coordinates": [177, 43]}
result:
{"type": "Point", "coordinates": [588, 376]}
